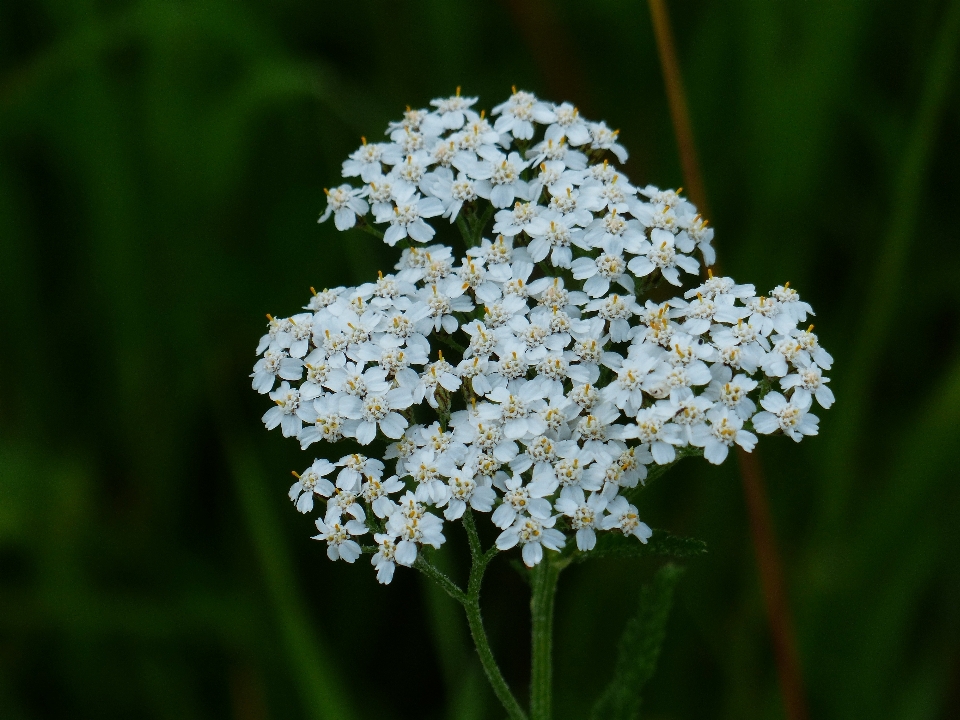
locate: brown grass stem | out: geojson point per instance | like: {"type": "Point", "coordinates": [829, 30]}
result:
{"type": "Point", "coordinates": [677, 100]}
{"type": "Point", "coordinates": [769, 565]}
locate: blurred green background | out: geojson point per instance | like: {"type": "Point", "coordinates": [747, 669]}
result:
{"type": "Point", "coordinates": [161, 172]}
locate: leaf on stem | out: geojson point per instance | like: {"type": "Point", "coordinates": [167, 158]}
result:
{"type": "Point", "coordinates": [639, 649]}
{"type": "Point", "coordinates": [661, 544]}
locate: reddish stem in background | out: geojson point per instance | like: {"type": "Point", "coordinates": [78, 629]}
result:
{"type": "Point", "coordinates": [677, 100]}
{"type": "Point", "coordinates": [770, 568]}
{"type": "Point", "coordinates": [551, 47]}
{"type": "Point", "coordinates": [774, 586]}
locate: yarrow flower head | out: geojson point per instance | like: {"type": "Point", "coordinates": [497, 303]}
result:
{"type": "Point", "coordinates": [527, 375]}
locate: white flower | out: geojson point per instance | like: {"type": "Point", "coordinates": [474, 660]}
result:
{"type": "Point", "coordinates": [603, 138]}
{"type": "Point", "coordinates": [339, 535]}
{"type": "Point", "coordinates": [354, 468]}
{"type": "Point", "coordinates": [514, 221]}
{"type": "Point", "coordinates": [652, 428]}
{"type": "Point", "coordinates": [440, 374]}
{"type": "Point", "coordinates": [326, 422]}
{"type": "Point", "coordinates": [702, 312]}
{"type": "Point", "coordinates": [441, 300]}
{"type": "Point", "coordinates": [602, 270]}
{"type": "Point", "coordinates": [376, 493]}
{"type": "Point", "coordinates": [534, 534]}
{"type": "Point", "coordinates": [345, 203]}
{"type": "Point", "coordinates": [599, 426]}
{"type": "Point", "coordinates": [716, 287]}
{"type": "Point", "coordinates": [385, 558]}
{"type": "Point", "coordinates": [623, 516]}
{"type": "Point", "coordinates": [464, 489]}
{"type": "Point", "coordinates": [688, 412]}
{"type": "Point", "coordinates": [659, 253]}
{"type": "Point", "coordinates": [571, 471]}
{"type": "Point", "coordinates": [502, 173]}
{"type": "Point", "coordinates": [732, 392]}
{"type": "Point", "coordinates": [453, 193]}
{"type": "Point", "coordinates": [367, 160]}
{"type": "Point", "coordinates": [312, 481]}
{"type": "Point", "coordinates": [626, 390]}
{"type": "Point", "coordinates": [809, 381]}
{"type": "Point", "coordinates": [786, 352]}
{"type": "Point", "coordinates": [277, 336]}
{"type": "Point", "coordinates": [477, 137]}
{"type": "Point", "coordinates": [557, 179]}
{"type": "Point", "coordinates": [273, 364]}
{"type": "Point", "coordinates": [569, 125]}
{"type": "Point", "coordinates": [285, 412]}
{"type": "Point", "coordinates": [475, 276]}
{"type": "Point", "coordinates": [808, 341]}
{"type": "Point", "coordinates": [426, 469]}
{"type": "Point", "coordinates": [414, 526]}
{"type": "Point", "coordinates": [617, 309]}
{"type": "Point", "coordinates": [406, 217]}
{"type": "Point", "coordinates": [790, 416]}
{"type": "Point", "coordinates": [518, 114]}
{"type": "Point", "coordinates": [697, 232]}
{"type": "Point", "coordinates": [552, 150]}
{"type": "Point", "coordinates": [790, 302]}
{"type": "Point", "coordinates": [586, 515]}
{"type": "Point", "coordinates": [378, 410]}
{"type": "Point", "coordinates": [454, 110]}
{"type": "Point", "coordinates": [767, 315]}
{"type": "Point", "coordinates": [551, 293]}
{"type": "Point", "coordinates": [519, 409]}
{"type": "Point", "coordinates": [612, 194]}
{"type": "Point", "coordinates": [520, 499]}
{"type": "Point", "coordinates": [725, 429]}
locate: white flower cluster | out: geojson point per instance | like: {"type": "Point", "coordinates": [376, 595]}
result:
{"type": "Point", "coordinates": [524, 378]}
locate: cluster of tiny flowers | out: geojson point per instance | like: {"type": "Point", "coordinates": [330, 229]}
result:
{"type": "Point", "coordinates": [525, 379]}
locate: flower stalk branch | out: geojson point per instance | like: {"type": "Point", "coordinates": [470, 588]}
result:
{"type": "Point", "coordinates": [543, 586]}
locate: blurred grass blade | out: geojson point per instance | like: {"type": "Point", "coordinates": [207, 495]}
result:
{"type": "Point", "coordinates": [890, 271]}
{"type": "Point", "coordinates": [321, 687]}
{"type": "Point", "coordinates": [639, 649]}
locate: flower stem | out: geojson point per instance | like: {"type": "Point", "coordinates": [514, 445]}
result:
{"type": "Point", "coordinates": [362, 224]}
{"type": "Point", "coordinates": [489, 663]}
{"type": "Point", "coordinates": [543, 583]}
{"type": "Point", "coordinates": [448, 585]}
{"type": "Point", "coordinates": [471, 604]}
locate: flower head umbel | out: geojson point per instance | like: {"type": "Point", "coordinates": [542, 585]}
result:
{"type": "Point", "coordinates": [527, 376]}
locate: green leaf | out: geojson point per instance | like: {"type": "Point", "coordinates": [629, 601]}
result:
{"type": "Point", "coordinates": [661, 544]}
{"type": "Point", "coordinates": [639, 649]}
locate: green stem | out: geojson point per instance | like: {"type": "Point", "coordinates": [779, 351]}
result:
{"type": "Point", "coordinates": [543, 583]}
{"type": "Point", "coordinates": [451, 588]}
{"type": "Point", "coordinates": [472, 607]}
{"type": "Point", "coordinates": [464, 228]}
{"type": "Point", "coordinates": [480, 226]}
{"type": "Point", "coordinates": [362, 224]}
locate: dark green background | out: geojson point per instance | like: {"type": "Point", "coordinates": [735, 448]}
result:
{"type": "Point", "coordinates": [161, 172]}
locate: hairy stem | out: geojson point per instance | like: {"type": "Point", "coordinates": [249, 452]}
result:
{"type": "Point", "coordinates": [431, 571]}
{"type": "Point", "coordinates": [471, 605]}
{"type": "Point", "coordinates": [464, 228]}
{"type": "Point", "coordinates": [479, 563]}
{"type": "Point", "coordinates": [543, 585]}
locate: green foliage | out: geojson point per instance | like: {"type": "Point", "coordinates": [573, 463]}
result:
{"type": "Point", "coordinates": [161, 172]}
{"type": "Point", "coordinates": [639, 649]}
{"type": "Point", "coordinates": [661, 544]}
